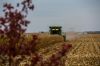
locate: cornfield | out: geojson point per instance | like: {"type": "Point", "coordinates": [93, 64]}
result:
{"type": "Point", "coordinates": [86, 51]}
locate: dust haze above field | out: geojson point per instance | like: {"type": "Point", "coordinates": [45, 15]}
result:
{"type": "Point", "coordinates": [72, 15]}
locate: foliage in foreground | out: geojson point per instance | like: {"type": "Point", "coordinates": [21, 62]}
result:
{"type": "Point", "coordinates": [12, 27]}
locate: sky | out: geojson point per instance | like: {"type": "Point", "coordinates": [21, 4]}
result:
{"type": "Point", "coordinates": [72, 15]}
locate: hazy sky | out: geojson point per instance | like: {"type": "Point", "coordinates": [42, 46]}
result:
{"type": "Point", "coordinates": [72, 15]}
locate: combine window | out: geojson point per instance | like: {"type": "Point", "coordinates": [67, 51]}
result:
{"type": "Point", "coordinates": [55, 30]}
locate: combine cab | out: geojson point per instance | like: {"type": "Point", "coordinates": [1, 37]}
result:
{"type": "Point", "coordinates": [57, 30]}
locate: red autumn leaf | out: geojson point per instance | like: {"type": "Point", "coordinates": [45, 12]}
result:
{"type": "Point", "coordinates": [1, 31]}
{"type": "Point", "coordinates": [8, 6]}
{"type": "Point", "coordinates": [2, 21]}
